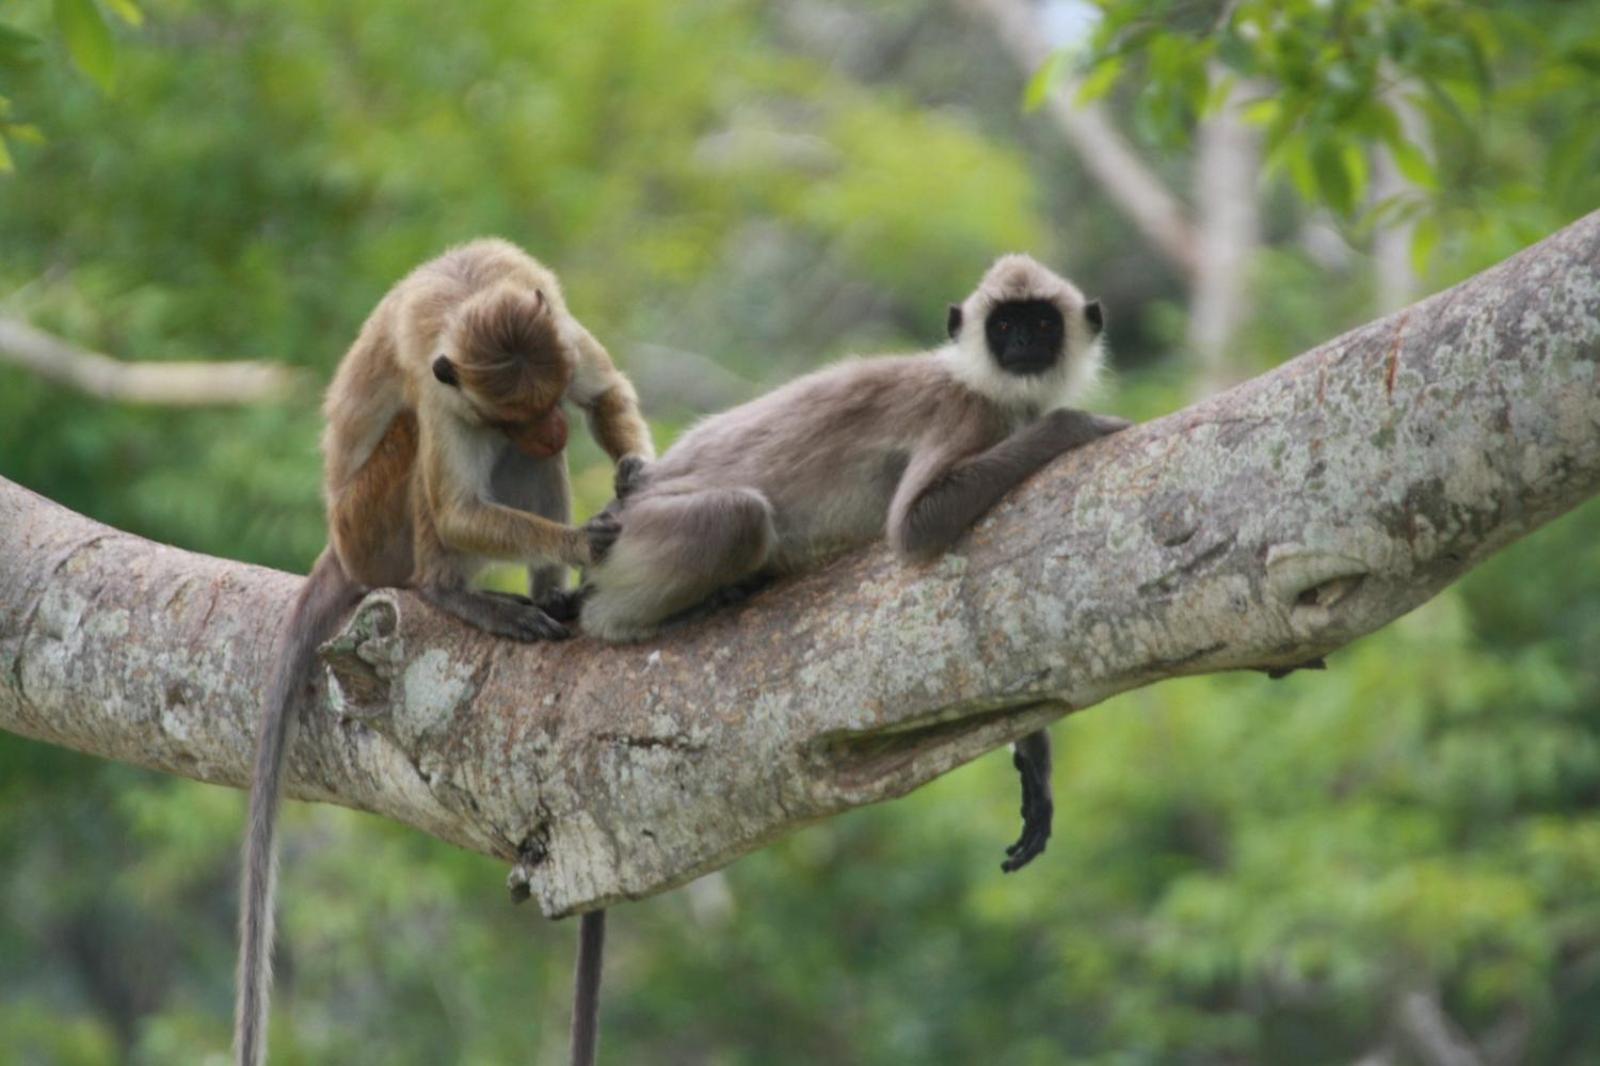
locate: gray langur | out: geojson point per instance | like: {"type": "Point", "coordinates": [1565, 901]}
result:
{"type": "Point", "coordinates": [914, 448]}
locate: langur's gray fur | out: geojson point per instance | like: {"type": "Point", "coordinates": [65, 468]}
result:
{"type": "Point", "coordinates": [914, 448]}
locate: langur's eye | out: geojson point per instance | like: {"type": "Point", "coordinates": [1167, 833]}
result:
{"type": "Point", "coordinates": [1004, 326]}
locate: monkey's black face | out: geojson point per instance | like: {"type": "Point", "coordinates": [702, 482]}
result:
{"type": "Point", "coordinates": [1025, 336]}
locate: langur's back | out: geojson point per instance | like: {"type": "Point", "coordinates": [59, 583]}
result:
{"type": "Point", "coordinates": [826, 450]}
{"type": "Point", "coordinates": [848, 413]}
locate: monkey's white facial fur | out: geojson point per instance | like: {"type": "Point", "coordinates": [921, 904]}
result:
{"type": "Point", "coordinates": [1025, 337]}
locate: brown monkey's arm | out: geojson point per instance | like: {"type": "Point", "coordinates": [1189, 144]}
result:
{"type": "Point", "coordinates": [480, 527]}
{"type": "Point", "coordinates": [607, 397]}
{"type": "Point", "coordinates": [940, 497]}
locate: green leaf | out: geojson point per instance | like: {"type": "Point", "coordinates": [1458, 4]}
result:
{"type": "Point", "coordinates": [6, 166]}
{"type": "Point", "coordinates": [1291, 155]}
{"type": "Point", "coordinates": [88, 39]}
{"type": "Point", "coordinates": [1424, 239]}
{"type": "Point", "coordinates": [16, 47]}
{"type": "Point", "coordinates": [1333, 178]}
{"type": "Point", "coordinates": [127, 11]}
{"type": "Point", "coordinates": [1217, 95]}
{"type": "Point", "coordinates": [1100, 80]}
{"type": "Point", "coordinates": [1413, 164]}
{"type": "Point", "coordinates": [1355, 167]}
{"type": "Point", "coordinates": [1044, 79]}
{"type": "Point", "coordinates": [1262, 112]}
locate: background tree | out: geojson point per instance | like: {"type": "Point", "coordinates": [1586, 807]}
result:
{"type": "Point", "coordinates": [1327, 868]}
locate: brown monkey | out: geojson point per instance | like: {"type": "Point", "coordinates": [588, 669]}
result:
{"type": "Point", "coordinates": [915, 448]}
{"type": "Point", "coordinates": [443, 450]}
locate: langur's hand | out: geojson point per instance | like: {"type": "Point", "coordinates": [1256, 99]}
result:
{"type": "Point", "coordinates": [1067, 428]}
{"type": "Point", "coordinates": [1105, 425]}
{"type": "Point", "coordinates": [630, 475]}
{"type": "Point", "coordinates": [602, 532]}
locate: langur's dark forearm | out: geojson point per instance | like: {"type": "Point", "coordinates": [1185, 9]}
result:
{"type": "Point", "coordinates": [952, 503]}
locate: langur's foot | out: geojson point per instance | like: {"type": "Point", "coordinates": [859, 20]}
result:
{"type": "Point", "coordinates": [1032, 760]}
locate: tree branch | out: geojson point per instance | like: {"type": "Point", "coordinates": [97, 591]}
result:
{"type": "Point", "coordinates": [184, 384]}
{"type": "Point", "coordinates": [1263, 527]}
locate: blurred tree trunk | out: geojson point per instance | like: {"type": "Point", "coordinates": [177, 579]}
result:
{"type": "Point", "coordinates": [1395, 279]}
{"type": "Point", "coordinates": [1226, 173]}
{"type": "Point", "coordinates": [1261, 528]}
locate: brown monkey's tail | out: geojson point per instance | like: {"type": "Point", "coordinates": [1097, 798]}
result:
{"type": "Point", "coordinates": [586, 988]}
{"type": "Point", "coordinates": [321, 602]}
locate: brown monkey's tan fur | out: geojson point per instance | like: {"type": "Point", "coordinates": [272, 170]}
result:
{"type": "Point", "coordinates": [443, 450]}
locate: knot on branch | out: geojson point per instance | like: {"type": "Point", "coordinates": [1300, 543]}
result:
{"type": "Point", "coordinates": [1311, 582]}
{"type": "Point", "coordinates": [364, 658]}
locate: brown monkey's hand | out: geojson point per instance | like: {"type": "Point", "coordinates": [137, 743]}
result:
{"type": "Point", "coordinates": [631, 472]}
{"type": "Point", "coordinates": [602, 532]}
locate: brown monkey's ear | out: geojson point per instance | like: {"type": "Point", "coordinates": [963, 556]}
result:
{"type": "Point", "coordinates": [953, 321]}
{"type": "Point", "coordinates": [445, 371]}
{"type": "Point", "coordinates": [1094, 316]}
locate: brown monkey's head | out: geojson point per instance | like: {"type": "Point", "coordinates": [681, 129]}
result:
{"type": "Point", "coordinates": [1026, 336]}
{"type": "Point", "coordinates": [505, 353]}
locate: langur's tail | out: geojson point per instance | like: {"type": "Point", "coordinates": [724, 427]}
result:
{"type": "Point", "coordinates": [321, 602]}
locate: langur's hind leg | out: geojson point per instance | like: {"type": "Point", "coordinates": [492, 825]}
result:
{"type": "Point", "coordinates": [674, 552]}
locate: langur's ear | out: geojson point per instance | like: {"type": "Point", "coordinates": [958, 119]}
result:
{"type": "Point", "coordinates": [953, 321]}
{"type": "Point", "coordinates": [445, 371]}
{"type": "Point", "coordinates": [1094, 316]}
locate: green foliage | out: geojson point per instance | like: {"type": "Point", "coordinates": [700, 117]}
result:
{"type": "Point", "coordinates": [1324, 80]}
{"type": "Point", "coordinates": [88, 40]}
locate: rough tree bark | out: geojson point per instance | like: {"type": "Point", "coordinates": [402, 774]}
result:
{"type": "Point", "coordinates": [1263, 527]}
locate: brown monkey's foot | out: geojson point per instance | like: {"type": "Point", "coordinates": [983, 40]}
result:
{"type": "Point", "coordinates": [560, 604]}
{"type": "Point", "coordinates": [1031, 757]}
{"type": "Point", "coordinates": [512, 597]}
{"type": "Point", "coordinates": [499, 613]}
{"type": "Point", "coordinates": [630, 475]}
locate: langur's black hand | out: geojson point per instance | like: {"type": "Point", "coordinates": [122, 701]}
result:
{"type": "Point", "coordinates": [631, 470]}
{"type": "Point", "coordinates": [1032, 760]}
{"type": "Point", "coordinates": [602, 530]}
{"type": "Point", "coordinates": [1105, 425]}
